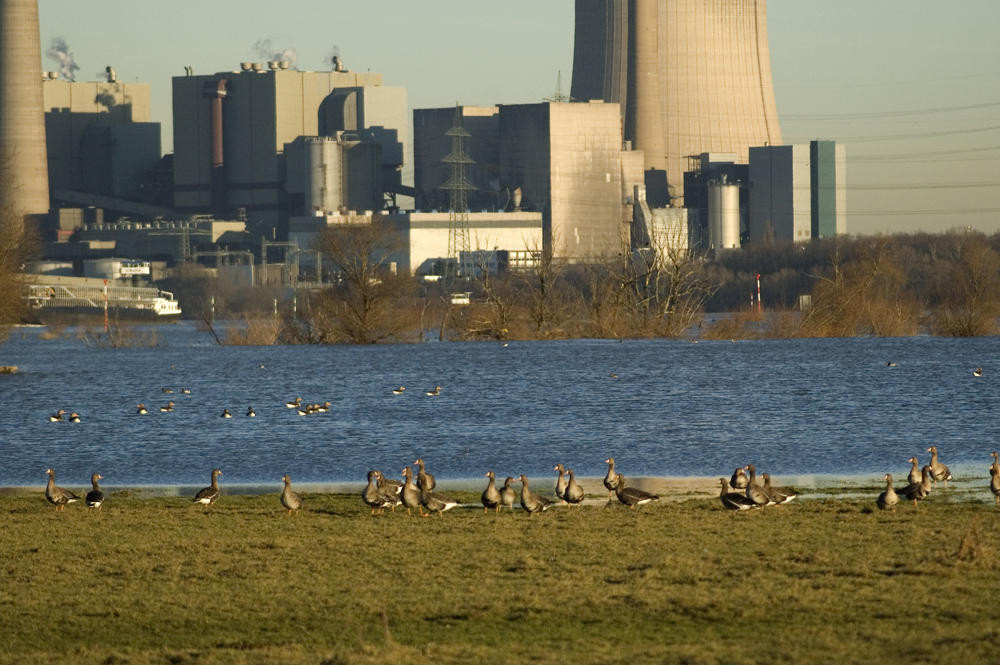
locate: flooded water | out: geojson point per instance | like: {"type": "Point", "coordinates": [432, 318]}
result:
{"type": "Point", "coordinates": [676, 408]}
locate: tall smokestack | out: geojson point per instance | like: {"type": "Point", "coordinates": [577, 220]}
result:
{"type": "Point", "coordinates": [22, 117]}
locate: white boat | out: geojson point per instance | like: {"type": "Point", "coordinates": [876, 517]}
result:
{"type": "Point", "coordinates": [66, 303]}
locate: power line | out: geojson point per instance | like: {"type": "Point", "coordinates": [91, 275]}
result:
{"type": "Point", "coordinates": [901, 137]}
{"type": "Point", "coordinates": [889, 114]}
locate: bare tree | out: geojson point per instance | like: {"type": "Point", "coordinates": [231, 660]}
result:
{"type": "Point", "coordinates": [970, 296]}
{"type": "Point", "coordinates": [18, 244]}
{"type": "Point", "coordinates": [547, 292]}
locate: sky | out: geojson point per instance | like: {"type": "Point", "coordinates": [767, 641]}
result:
{"type": "Point", "coordinates": [912, 87]}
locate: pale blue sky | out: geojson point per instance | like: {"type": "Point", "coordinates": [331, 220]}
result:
{"type": "Point", "coordinates": [856, 71]}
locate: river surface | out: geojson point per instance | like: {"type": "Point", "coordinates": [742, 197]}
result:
{"type": "Point", "coordinates": [676, 408]}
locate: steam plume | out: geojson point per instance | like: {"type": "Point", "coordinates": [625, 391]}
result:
{"type": "Point", "coordinates": [264, 49]}
{"type": "Point", "coordinates": [59, 51]}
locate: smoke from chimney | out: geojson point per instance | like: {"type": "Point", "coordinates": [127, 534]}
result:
{"type": "Point", "coordinates": [59, 51]}
{"type": "Point", "coordinates": [333, 57]}
{"type": "Point", "coordinates": [264, 50]}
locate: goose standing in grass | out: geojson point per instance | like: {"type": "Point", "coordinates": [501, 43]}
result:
{"type": "Point", "coordinates": [995, 483]}
{"type": "Point", "coordinates": [888, 499]}
{"type": "Point", "coordinates": [57, 416]}
{"type": "Point", "coordinates": [75, 418]}
{"type": "Point", "coordinates": [410, 494]}
{"type": "Point", "coordinates": [574, 493]}
{"type": "Point", "coordinates": [491, 495]}
{"type": "Point", "coordinates": [737, 501]}
{"type": "Point", "coordinates": [755, 492]}
{"type": "Point", "coordinates": [611, 480]}
{"type": "Point", "coordinates": [533, 503]}
{"type": "Point", "coordinates": [508, 495]}
{"type": "Point", "coordinates": [938, 470]}
{"type": "Point", "coordinates": [141, 410]}
{"type": "Point", "coordinates": [209, 495]}
{"type": "Point", "coordinates": [561, 483]}
{"type": "Point", "coordinates": [916, 491]}
{"type": "Point", "coordinates": [390, 489]}
{"type": "Point", "coordinates": [168, 407]}
{"type": "Point", "coordinates": [914, 475]}
{"type": "Point", "coordinates": [780, 495]}
{"type": "Point", "coordinates": [58, 496]}
{"type": "Point", "coordinates": [633, 496]}
{"type": "Point", "coordinates": [435, 502]}
{"type": "Point", "coordinates": [371, 496]}
{"type": "Point", "coordinates": [424, 479]}
{"type": "Point", "coordinates": [739, 480]}
{"type": "Point", "coordinates": [289, 499]}
{"type": "Point", "coordinates": [251, 413]}
{"type": "Point", "coordinates": [226, 414]}
{"type": "Point", "coordinates": [95, 497]}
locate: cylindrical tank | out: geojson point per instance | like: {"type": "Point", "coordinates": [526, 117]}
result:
{"type": "Point", "coordinates": [103, 268]}
{"type": "Point", "coordinates": [323, 185]}
{"type": "Point", "coordinates": [22, 118]}
{"type": "Point", "coordinates": [723, 215]}
{"type": "Point", "coordinates": [57, 268]}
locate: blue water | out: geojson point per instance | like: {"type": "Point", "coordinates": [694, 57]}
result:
{"type": "Point", "coordinates": [676, 409]}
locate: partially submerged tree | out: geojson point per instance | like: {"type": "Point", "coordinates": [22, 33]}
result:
{"type": "Point", "coordinates": [969, 298]}
{"type": "Point", "coordinates": [18, 244]}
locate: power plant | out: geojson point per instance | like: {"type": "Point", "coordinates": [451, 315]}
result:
{"type": "Point", "coordinates": [691, 77]}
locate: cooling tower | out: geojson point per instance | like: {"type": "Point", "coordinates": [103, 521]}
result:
{"type": "Point", "coordinates": [22, 119]}
{"type": "Point", "coordinates": [691, 76]}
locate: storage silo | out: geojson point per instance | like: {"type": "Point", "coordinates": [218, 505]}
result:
{"type": "Point", "coordinates": [723, 215]}
{"type": "Point", "coordinates": [324, 177]}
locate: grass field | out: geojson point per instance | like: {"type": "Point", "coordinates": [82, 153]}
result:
{"type": "Point", "coordinates": [824, 581]}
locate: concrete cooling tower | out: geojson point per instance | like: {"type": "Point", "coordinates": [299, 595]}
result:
{"type": "Point", "coordinates": [22, 118]}
{"type": "Point", "coordinates": [691, 76]}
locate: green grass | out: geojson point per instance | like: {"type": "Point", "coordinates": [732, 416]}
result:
{"type": "Point", "coordinates": [824, 581]}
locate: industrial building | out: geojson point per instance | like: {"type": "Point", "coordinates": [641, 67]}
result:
{"type": "Point", "coordinates": [690, 76]}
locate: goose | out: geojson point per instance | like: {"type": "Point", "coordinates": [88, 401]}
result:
{"type": "Point", "coordinates": [574, 493]}
{"type": "Point", "coordinates": [739, 480]}
{"type": "Point", "coordinates": [436, 502]}
{"type": "Point", "coordinates": [209, 495]}
{"type": "Point", "coordinates": [289, 499]}
{"type": "Point", "coordinates": [436, 391]}
{"type": "Point", "coordinates": [167, 390]}
{"type": "Point", "coordinates": [561, 483]}
{"type": "Point", "coordinates": [251, 413]}
{"type": "Point", "coordinates": [57, 416]}
{"type": "Point", "coordinates": [533, 503]}
{"type": "Point", "coordinates": [398, 391]}
{"type": "Point", "coordinates": [755, 492]}
{"type": "Point", "coordinates": [168, 407]}
{"type": "Point", "coordinates": [410, 494]}
{"type": "Point", "coordinates": [185, 391]}
{"type": "Point", "coordinates": [938, 471]}
{"type": "Point", "coordinates": [890, 364]}
{"type": "Point", "coordinates": [391, 490]}
{"type": "Point", "coordinates": [372, 496]}
{"type": "Point", "coordinates": [734, 500]}
{"type": "Point", "coordinates": [95, 497]}
{"type": "Point", "coordinates": [323, 408]}
{"type": "Point", "coordinates": [294, 404]}
{"type": "Point", "coordinates": [995, 483]}
{"type": "Point", "coordinates": [996, 461]}
{"type": "Point", "coordinates": [914, 475]}
{"type": "Point", "coordinates": [424, 479]}
{"type": "Point", "coordinates": [888, 499]}
{"type": "Point", "coordinates": [507, 494]}
{"type": "Point", "coordinates": [491, 495]}
{"type": "Point", "coordinates": [75, 418]}
{"type": "Point", "coordinates": [226, 414]}
{"type": "Point", "coordinates": [302, 410]}
{"type": "Point", "coordinates": [613, 375]}
{"type": "Point", "coordinates": [632, 496]}
{"type": "Point", "coordinates": [779, 494]}
{"type": "Point", "coordinates": [916, 491]}
{"type": "Point", "coordinates": [611, 480]}
{"type": "Point", "coordinates": [141, 410]}
{"type": "Point", "coordinates": [57, 496]}
{"type": "Point", "coordinates": [977, 372]}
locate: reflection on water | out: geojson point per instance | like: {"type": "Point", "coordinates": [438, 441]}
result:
{"type": "Point", "coordinates": [677, 409]}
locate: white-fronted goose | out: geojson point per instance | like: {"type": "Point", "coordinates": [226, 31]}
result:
{"type": "Point", "coordinates": [95, 497]}
{"type": "Point", "coordinates": [977, 372]}
{"type": "Point", "coordinates": [75, 418]}
{"type": "Point", "coordinates": [491, 495]}
{"type": "Point", "coordinates": [323, 408]}
{"type": "Point", "coordinates": [561, 483]}
{"type": "Point", "coordinates": [508, 495]}
{"type": "Point", "coordinates": [294, 404]}
{"type": "Point", "coordinates": [399, 390]}
{"type": "Point", "coordinates": [289, 499]}
{"type": "Point", "coordinates": [533, 503]}
{"type": "Point", "coordinates": [633, 496]}
{"type": "Point", "coordinates": [432, 393]}
{"type": "Point", "coordinates": [57, 416]}
{"type": "Point", "coordinates": [168, 407]}
{"type": "Point", "coordinates": [574, 493]}
{"type": "Point", "coordinates": [209, 495]}
{"type": "Point", "coordinates": [996, 460]}
{"type": "Point", "coordinates": [251, 413]}
{"type": "Point", "coordinates": [372, 496]}
{"type": "Point", "coordinates": [739, 480]}
{"type": "Point", "coordinates": [995, 483]}
{"type": "Point", "coordinates": [611, 480]}
{"type": "Point", "coordinates": [410, 494]}
{"type": "Point", "coordinates": [390, 489]}
{"type": "Point", "coordinates": [888, 499]}
{"type": "Point", "coordinates": [734, 500]}
{"type": "Point", "coordinates": [435, 502]}
{"type": "Point", "coordinates": [779, 494]}
{"type": "Point", "coordinates": [916, 491]}
{"type": "Point", "coordinates": [226, 414]}
{"type": "Point", "coordinates": [755, 492]}
{"type": "Point", "coordinates": [914, 475]}
{"type": "Point", "coordinates": [938, 470]}
{"type": "Point", "coordinates": [58, 496]}
{"type": "Point", "coordinates": [141, 410]}
{"type": "Point", "coordinates": [424, 479]}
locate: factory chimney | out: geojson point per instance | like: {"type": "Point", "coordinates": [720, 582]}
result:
{"type": "Point", "coordinates": [22, 117]}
